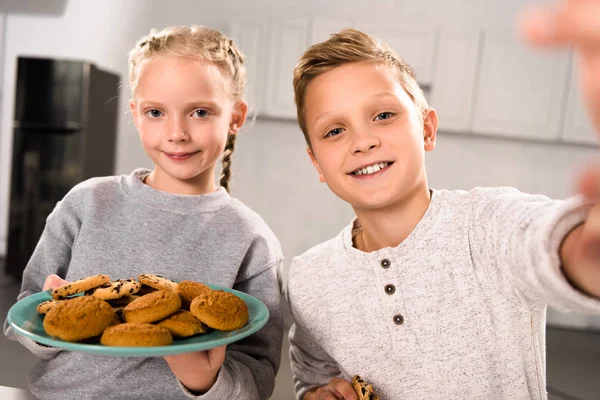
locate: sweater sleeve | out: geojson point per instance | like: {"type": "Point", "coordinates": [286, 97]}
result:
{"type": "Point", "coordinates": [515, 238]}
{"type": "Point", "coordinates": [51, 256]}
{"type": "Point", "coordinates": [251, 364]}
{"type": "Point", "coordinates": [310, 364]}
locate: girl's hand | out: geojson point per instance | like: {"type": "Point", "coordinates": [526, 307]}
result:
{"type": "Point", "coordinates": [336, 389]}
{"type": "Point", "coordinates": [197, 371]}
{"type": "Point", "coordinates": [53, 281]}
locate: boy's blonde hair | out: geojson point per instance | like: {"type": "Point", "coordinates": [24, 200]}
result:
{"type": "Point", "coordinates": [195, 42]}
{"type": "Point", "coordinates": [348, 46]}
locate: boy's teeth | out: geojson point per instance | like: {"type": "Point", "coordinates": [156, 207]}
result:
{"type": "Point", "coordinates": [371, 169]}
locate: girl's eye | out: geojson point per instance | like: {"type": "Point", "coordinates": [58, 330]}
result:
{"type": "Point", "coordinates": [383, 116]}
{"type": "Point", "coordinates": [154, 113]}
{"type": "Point", "coordinates": [334, 132]}
{"type": "Point", "coordinates": [201, 113]}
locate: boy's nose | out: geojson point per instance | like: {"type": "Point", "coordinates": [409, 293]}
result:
{"type": "Point", "coordinates": [364, 142]}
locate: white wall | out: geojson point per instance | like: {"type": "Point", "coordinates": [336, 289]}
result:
{"type": "Point", "coordinates": [272, 173]}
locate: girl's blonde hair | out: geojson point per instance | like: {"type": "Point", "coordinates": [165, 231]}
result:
{"type": "Point", "coordinates": [195, 42]}
{"type": "Point", "coordinates": [348, 46]}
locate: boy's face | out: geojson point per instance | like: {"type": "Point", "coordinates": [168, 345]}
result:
{"type": "Point", "coordinates": [367, 137]}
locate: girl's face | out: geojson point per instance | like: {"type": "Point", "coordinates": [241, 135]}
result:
{"type": "Point", "coordinates": [184, 113]}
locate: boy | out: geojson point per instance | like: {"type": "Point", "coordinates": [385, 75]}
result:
{"type": "Point", "coordinates": [431, 294]}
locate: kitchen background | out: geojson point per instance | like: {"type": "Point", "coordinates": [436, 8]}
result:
{"type": "Point", "coordinates": [509, 116]}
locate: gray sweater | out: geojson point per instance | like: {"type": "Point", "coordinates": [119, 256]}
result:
{"type": "Point", "coordinates": [464, 317]}
{"type": "Point", "coordinates": [121, 227]}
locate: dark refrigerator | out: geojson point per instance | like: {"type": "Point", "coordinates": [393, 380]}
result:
{"type": "Point", "coordinates": [64, 132]}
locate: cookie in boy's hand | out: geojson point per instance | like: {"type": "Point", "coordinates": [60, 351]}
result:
{"type": "Point", "coordinates": [79, 318]}
{"type": "Point", "coordinates": [363, 389]}
{"type": "Point", "coordinates": [115, 290]}
{"type": "Point", "coordinates": [79, 286]}
{"type": "Point", "coordinates": [189, 290]}
{"type": "Point", "coordinates": [136, 335]}
{"type": "Point", "coordinates": [157, 282]}
{"type": "Point", "coordinates": [152, 307]}
{"type": "Point", "coordinates": [220, 310]}
{"type": "Point", "coordinates": [183, 324]}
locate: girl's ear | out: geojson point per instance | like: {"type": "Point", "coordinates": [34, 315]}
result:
{"type": "Point", "coordinates": [238, 117]}
{"type": "Point", "coordinates": [134, 113]}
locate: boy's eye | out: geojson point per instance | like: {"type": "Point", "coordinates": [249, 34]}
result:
{"type": "Point", "coordinates": [334, 132]}
{"type": "Point", "coordinates": [201, 113]}
{"type": "Point", "coordinates": [154, 113]}
{"type": "Point", "coordinates": [383, 116]}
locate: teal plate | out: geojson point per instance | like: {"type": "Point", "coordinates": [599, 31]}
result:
{"type": "Point", "coordinates": [26, 321]}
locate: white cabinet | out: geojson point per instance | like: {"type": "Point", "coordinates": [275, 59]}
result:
{"type": "Point", "coordinates": [251, 36]}
{"type": "Point", "coordinates": [321, 29]}
{"type": "Point", "coordinates": [415, 45]}
{"type": "Point", "coordinates": [288, 40]}
{"type": "Point", "coordinates": [454, 77]}
{"type": "Point", "coordinates": [578, 126]}
{"type": "Point", "coordinates": [521, 91]}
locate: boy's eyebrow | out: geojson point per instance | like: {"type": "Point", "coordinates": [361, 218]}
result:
{"type": "Point", "coordinates": [320, 116]}
{"type": "Point", "coordinates": [326, 113]}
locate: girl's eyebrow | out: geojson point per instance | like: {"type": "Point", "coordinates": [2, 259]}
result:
{"type": "Point", "coordinates": [199, 103]}
{"type": "Point", "coordinates": [384, 94]}
{"type": "Point", "coordinates": [147, 103]}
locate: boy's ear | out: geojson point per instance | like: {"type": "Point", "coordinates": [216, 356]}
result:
{"type": "Point", "coordinates": [315, 163]}
{"type": "Point", "coordinates": [134, 112]}
{"type": "Point", "coordinates": [430, 125]}
{"type": "Point", "coordinates": [238, 117]}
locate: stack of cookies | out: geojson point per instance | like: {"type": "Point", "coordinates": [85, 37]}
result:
{"type": "Point", "coordinates": [149, 311]}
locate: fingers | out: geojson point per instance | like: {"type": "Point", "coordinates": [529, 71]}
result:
{"type": "Point", "coordinates": [589, 186]}
{"type": "Point", "coordinates": [589, 183]}
{"type": "Point", "coordinates": [574, 23]}
{"type": "Point", "coordinates": [53, 281]}
{"type": "Point", "coordinates": [212, 358]}
{"type": "Point", "coordinates": [326, 394]}
{"type": "Point", "coordinates": [339, 389]}
{"type": "Point", "coordinates": [216, 356]}
{"type": "Point", "coordinates": [571, 22]}
{"type": "Point", "coordinates": [220, 349]}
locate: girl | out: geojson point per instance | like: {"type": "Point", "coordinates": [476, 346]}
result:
{"type": "Point", "coordinates": [187, 85]}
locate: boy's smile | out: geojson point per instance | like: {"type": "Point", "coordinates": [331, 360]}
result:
{"type": "Point", "coordinates": [367, 137]}
{"type": "Point", "coordinates": [371, 170]}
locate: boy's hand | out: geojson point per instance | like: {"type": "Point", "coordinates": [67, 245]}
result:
{"type": "Point", "coordinates": [197, 371]}
{"type": "Point", "coordinates": [53, 281]}
{"type": "Point", "coordinates": [336, 389]}
{"type": "Point", "coordinates": [573, 23]}
{"type": "Point", "coordinates": [576, 23]}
